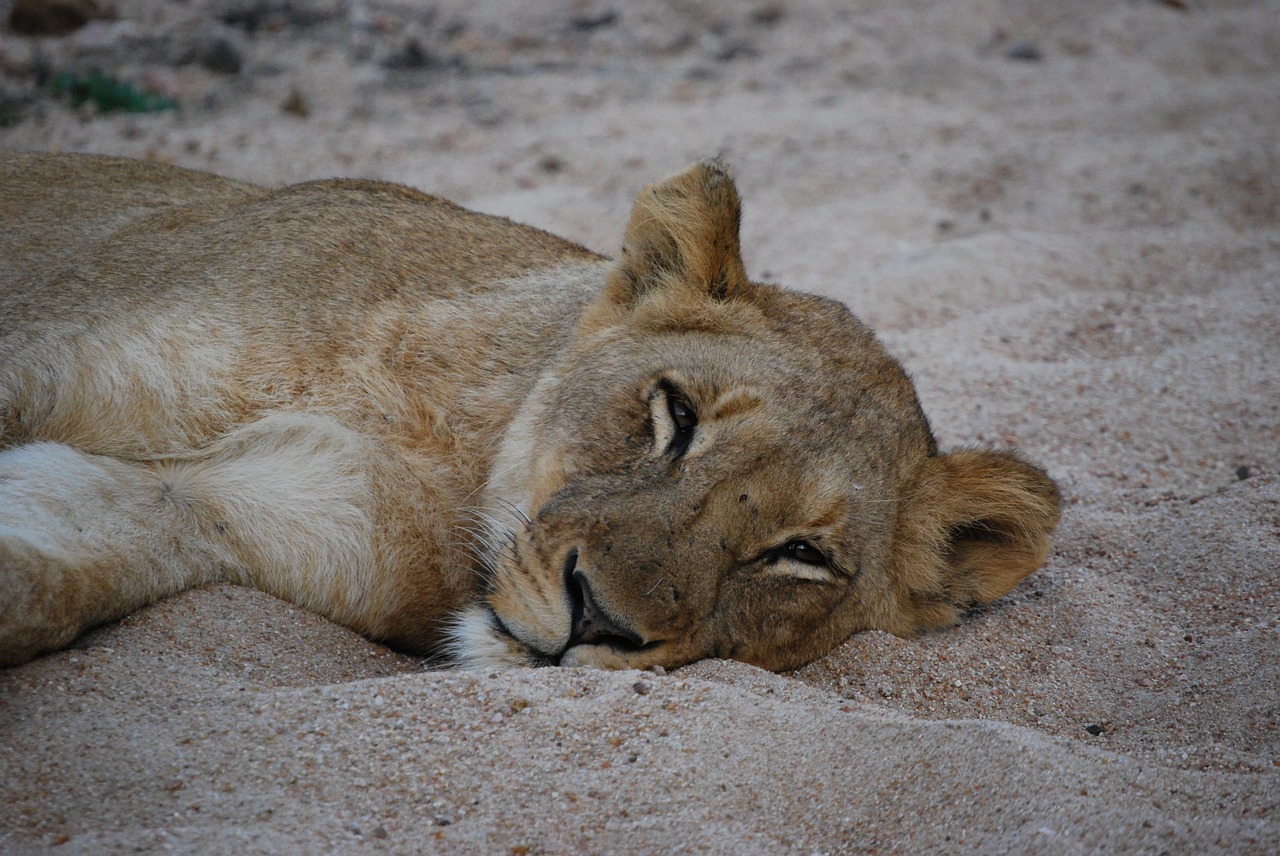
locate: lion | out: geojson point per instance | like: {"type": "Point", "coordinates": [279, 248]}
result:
{"type": "Point", "coordinates": [464, 437]}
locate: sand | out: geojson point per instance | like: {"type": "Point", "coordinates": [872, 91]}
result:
{"type": "Point", "coordinates": [1064, 218]}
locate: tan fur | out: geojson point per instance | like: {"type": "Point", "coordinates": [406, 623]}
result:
{"type": "Point", "coordinates": [458, 434]}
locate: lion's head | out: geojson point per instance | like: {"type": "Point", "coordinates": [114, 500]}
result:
{"type": "Point", "coordinates": [722, 468]}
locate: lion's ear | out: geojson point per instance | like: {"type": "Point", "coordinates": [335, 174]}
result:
{"type": "Point", "coordinates": [971, 526]}
{"type": "Point", "coordinates": [683, 233]}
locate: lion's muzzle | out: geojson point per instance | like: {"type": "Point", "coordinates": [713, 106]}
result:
{"type": "Point", "coordinates": [591, 624]}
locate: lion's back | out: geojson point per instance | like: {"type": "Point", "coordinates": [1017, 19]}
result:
{"type": "Point", "coordinates": [106, 221]}
{"type": "Point", "coordinates": [182, 304]}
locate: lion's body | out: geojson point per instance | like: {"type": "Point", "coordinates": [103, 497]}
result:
{"type": "Point", "coordinates": [347, 393]}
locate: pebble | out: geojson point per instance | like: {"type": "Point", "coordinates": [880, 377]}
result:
{"type": "Point", "coordinates": [222, 57]}
{"type": "Point", "coordinates": [51, 17]}
{"type": "Point", "coordinates": [296, 104]}
{"type": "Point", "coordinates": [551, 164]}
{"type": "Point", "coordinates": [769, 14]}
{"type": "Point", "coordinates": [587, 22]}
{"type": "Point", "coordinates": [641, 687]}
{"type": "Point", "coordinates": [1025, 51]}
{"type": "Point", "coordinates": [412, 57]}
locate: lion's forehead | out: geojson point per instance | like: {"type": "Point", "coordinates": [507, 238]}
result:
{"type": "Point", "coordinates": [838, 441]}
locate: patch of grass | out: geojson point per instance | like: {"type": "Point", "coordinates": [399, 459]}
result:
{"type": "Point", "coordinates": [108, 94]}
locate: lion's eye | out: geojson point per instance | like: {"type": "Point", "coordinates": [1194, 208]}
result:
{"type": "Point", "coordinates": [803, 551]}
{"type": "Point", "coordinates": [682, 414]}
{"type": "Point", "coordinates": [806, 562]}
{"type": "Point", "coordinates": [684, 420]}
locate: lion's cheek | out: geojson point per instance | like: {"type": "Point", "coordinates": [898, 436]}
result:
{"type": "Point", "coordinates": [533, 611]}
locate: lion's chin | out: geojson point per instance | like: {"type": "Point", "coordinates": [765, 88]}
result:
{"type": "Point", "coordinates": [479, 640]}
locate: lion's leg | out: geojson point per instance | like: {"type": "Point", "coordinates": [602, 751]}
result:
{"type": "Point", "coordinates": [85, 539]}
{"type": "Point", "coordinates": [294, 504]}
{"type": "Point", "coordinates": [291, 500]}
{"type": "Point", "coordinates": [337, 522]}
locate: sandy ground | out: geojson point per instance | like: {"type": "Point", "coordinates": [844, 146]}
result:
{"type": "Point", "coordinates": [1063, 217]}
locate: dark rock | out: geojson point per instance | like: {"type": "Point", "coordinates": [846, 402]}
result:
{"type": "Point", "coordinates": [769, 14]}
{"type": "Point", "coordinates": [51, 17]}
{"type": "Point", "coordinates": [1024, 51]}
{"type": "Point", "coordinates": [736, 49]}
{"type": "Point", "coordinates": [412, 57]}
{"type": "Point", "coordinates": [588, 22]}
{"type": "Point", "coordinates": [296, 104]}
{"type": "Point", "coordinates": [551, 164]}
{"type": "Point", "coordinates": [222, 57]}
{"type": "Point", "coordinates": [276, 16]}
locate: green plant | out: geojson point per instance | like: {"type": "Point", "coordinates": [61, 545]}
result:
{"type": "Point", "coordinates": [108, 94]}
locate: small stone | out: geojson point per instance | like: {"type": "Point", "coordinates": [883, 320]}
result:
{"type": "Point", "coordinates": [222, 57]}
{"type": "Point", "coordinates": [442, 820]}
{"type": "Point", "coordinates": [1024, 51]}
{"type": "Point", "coordinates": [769, 14]}
{"type": "Point", "coordinates": [551, 164]}
{"type": "Point", "coordinates": [641, 687]}
{"type": "Point", "coordinates": [659, 671]}
{"type": "Point", "coordinates": [1095, 730]}
{"type": "Point", "coordinates": [296, 105]}
{"type": "Point", "coordinates": [736, 49]}
{"type": "Point", "coordinates": [380, 832]}
{"type": "Point", "coordinates": [412, 57]}
{"type": "Point", "coordinates": [588, 22]}
{"type": "Point", "coordinates": [51, 17]}
{"type": "Point", "coordinates": [1242, 472]}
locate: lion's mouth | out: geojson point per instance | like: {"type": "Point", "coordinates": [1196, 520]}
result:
{"type": "Point", "coordinates": [591, 625]}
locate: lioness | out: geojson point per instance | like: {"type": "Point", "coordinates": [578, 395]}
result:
{"type": "Point", "coordinates": [464, 436]}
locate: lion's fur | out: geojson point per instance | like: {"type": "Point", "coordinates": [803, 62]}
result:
{"type": "Point", "coordinates": [410, 417]}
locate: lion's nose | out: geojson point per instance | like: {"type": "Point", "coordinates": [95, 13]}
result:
{"type": "Point", "coordinates": [591, 626]}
